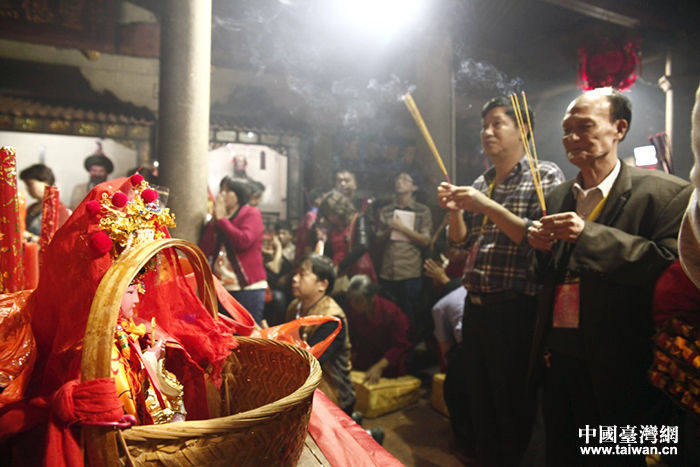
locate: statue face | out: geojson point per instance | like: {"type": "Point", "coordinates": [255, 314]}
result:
{"type": "Point", "coordinates": [98, 173]}
{"type": "Point", "coordinates": [129, 301]}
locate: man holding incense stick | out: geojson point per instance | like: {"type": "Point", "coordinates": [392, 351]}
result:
{"type": "Point", "coordinates": [489, 219]}
{"type": "Point", "coordinates": [609, 234]}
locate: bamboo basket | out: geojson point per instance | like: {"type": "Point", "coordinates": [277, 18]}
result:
{"type": "Point", "coordinates": [264, 400]}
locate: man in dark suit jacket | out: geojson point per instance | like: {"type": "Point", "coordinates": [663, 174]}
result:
{"type": "Point", "coordinates": [609, 235]}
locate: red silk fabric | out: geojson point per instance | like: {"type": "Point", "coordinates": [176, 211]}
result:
{"type": "Point", "coordinates": [342, 441]}
{"type": "Point", "coordinates": [75, 403]}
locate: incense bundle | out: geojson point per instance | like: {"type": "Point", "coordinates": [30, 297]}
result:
{"type": "Point", "coordinates": [11, 271]}
{"type": "Point", "coordinates": [411, 104]}
{"type": "Point", "coordinates": [530, 153]}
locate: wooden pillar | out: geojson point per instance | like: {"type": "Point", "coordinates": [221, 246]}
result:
{"type": "Point", "coordinates": [183, 111]}
{"type": "Point", "coordinates": [434, 96]}
{"type": "Point", "coordinates": [682, 74]}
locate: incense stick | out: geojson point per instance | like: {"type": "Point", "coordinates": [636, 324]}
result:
{"type": "Point", "coordinates": [410, 103]}
{"type": "Point", "coordinates": [531, 159]}
{"type": "Point", "coordinates": [532, 139]}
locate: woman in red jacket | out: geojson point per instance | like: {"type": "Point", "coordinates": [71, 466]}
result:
{"type": "Point", "coordinates": [233, 242]}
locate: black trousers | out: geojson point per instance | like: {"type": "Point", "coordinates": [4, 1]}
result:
{"type": "Point", "coordinates": [569, 404]}
{"type": "Point", "coordinates": [457, 400]}
{"type": "Point", "coordinates": [497, 339]}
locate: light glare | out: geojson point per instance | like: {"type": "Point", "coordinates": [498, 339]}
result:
{"type": "Point", "coordinates": [380, 15]}
{"type": "Point", "coordinates": [645, 156]}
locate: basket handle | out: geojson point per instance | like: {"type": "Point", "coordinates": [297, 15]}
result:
{"type": "Point", "coordinates": [99, 335]}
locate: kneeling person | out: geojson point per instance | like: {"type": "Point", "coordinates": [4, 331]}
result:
{"type": "Point", "coordinates": [315, 277]}
{"type": "Point", "coordinates": [379, 331]}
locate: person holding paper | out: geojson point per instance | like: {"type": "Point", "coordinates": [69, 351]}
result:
{"type": "Point", "coordinates": [406, 226]}
{"type": "Point", "coordinates": [489, 220]}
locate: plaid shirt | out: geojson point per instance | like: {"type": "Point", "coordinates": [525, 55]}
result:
{"type": "Point", "coordinates": [501, 264]}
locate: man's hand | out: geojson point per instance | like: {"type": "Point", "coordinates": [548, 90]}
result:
{"type": "Point", "coordinates": [537, 238]}
{"type": "Point", "coordinates": [453, 198]}
{"type": "Point", "coordinates": [272, 249]}
{"type": "Point", "coordinates": [444, 196]}
{"type": "Point", "coordinates": [470, 199]}
{"type": "Point", "coordinates": [435, 271]}
{"type": "Point", "coordinates": [565, 226]}
{"type": "Point", "coordinates": [374, 373]}
{"type": "Point", "coordinates": [395, 224]}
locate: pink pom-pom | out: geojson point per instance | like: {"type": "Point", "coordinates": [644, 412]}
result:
{"type": "Point", "coordinates": [136, 179]}
{"type": "Point", "coordinates": [119, 199]}
{"type": "Point", "coordinates": [149, 195]}
{"type": "Point", "coordinates": [93, 207]}
{"type": "Point", "coordinates": [101, 242]}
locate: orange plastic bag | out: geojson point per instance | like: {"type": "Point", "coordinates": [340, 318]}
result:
{"type": "Point", "coordinates": [17, 347]}
{"type": "Point", "coordinates": [289, 333]}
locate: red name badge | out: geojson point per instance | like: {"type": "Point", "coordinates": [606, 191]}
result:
{"type": "Point", "coordinates": [566, 299]}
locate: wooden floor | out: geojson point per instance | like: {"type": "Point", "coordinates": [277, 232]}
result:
{"type": "Point", "coordinates": [312, 455]}
{"type": "Point", "coordinates": [417, 436]}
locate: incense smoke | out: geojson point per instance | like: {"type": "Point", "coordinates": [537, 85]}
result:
{"type": "Point", "coordinates": [482, 75]}
{"type": "Point", "coordinates": [293, 41]}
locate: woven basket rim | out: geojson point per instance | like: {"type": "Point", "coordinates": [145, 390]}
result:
{"type": "Point", "coordinates": [188, 429]}
{"type": "Point", "coordinates": [101, 442]}
{"type": "Point", "coordinates": [102, 320]}
{"type": "Point", "coordinates": [99, 335]}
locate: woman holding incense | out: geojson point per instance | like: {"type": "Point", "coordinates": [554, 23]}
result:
{"type": "Point", "coordinates": [346, 238]}
{"type": "Point", "coordinates": [489, 220]}
{"type": "Point", "coordinates": [233, 241]}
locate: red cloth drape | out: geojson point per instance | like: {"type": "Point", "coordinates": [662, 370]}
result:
{"type": "Point", "coordinates": [342, 441]}
{"type": "Point", "coordinates": [74, 403]}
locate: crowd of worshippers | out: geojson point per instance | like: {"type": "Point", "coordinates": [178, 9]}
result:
{"type": "Point", "coordinates": [529, 298]}
{"type": "Point", "coordinates": [270, 273]}
{"type": "Point", "coordinates": [535, 309]}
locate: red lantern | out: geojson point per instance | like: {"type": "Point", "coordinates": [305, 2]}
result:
{"type": "Point", "coordinates": [608, 66]}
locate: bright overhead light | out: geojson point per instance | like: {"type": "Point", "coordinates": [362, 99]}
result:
{"type": "Point", "coordinates": [380, 15]}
